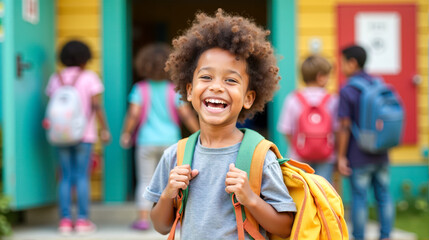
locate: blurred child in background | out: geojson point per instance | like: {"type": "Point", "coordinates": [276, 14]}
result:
{"type": "Point", "coordinates": [364, 169]}
{"type": "Point", "coordinates": [75, 159]}
{"type": "Point", "coordinates": [152, 120]}
{"type": "Point", "coordinates": [308, 118]}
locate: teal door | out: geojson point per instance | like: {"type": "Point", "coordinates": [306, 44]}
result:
{"type": "Point", "coordinates": [28, 60]}
{"type": "Point", "coordinates": [282, 22]}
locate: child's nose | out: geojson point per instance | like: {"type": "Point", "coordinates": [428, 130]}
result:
{"type": "Point", "coordinates": [217, 85]}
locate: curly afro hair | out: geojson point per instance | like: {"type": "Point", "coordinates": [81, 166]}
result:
{"type": "Point", "coordinates": [150, 61]}
{"type": "Point", "coordinates": [75, 53]}
{"type": "Point", "coordinates": [243, 38]}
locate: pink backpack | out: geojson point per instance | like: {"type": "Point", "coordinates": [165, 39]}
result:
{"type": "Point", "coordinates": [144, 89]}
{"type": "Point", "coordinates": [314, 139]}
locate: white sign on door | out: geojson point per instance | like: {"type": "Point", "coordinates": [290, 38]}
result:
{"type": "Point", "coordinates": [30, 11]}
{"type": "Point", "coordinates": [380, 34]}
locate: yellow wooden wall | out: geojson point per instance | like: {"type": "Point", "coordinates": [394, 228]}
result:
{"type": "Point", "coordinates": [81, 19]}
{"type": "Point", "coordinates": [318, 19]}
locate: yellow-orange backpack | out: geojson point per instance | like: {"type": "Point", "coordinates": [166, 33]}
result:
{"type": "Point", "coordinates": [320, 211]}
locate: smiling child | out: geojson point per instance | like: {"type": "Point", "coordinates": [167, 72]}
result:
{"type": "Point", "coordinates": [226, 68]}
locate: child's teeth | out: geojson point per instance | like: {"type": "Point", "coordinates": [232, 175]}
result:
{"type": "Point", "coordinates": [216, 101]}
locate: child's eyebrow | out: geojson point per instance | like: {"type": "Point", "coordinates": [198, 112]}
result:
{"type": "Point", "coordinates": [205, 68]}
{"type": "Point", "coordinates": [235, 72]}
{"type": "Point", "coordinates": [228, 70]}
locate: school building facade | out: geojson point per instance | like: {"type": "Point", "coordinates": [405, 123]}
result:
{"type": "Point", "coordinates": [31, 31]}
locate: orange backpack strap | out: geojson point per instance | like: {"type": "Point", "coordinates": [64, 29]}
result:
{"type": "Point", "coordinates": [255, 178]}
{"type": "Point", "coordinates": [303, 166]}
{"type": "Point", "coordinates": [181, 145]}
{"type": "Point", "coordinates": [253, 147]}
{"type": "Point", "coordinates": [185, 154]}
{"type": "Point", "coordinates": [257, 165]}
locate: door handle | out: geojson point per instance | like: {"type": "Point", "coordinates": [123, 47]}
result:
{"type": "Point", "coordinates": [21, 66]}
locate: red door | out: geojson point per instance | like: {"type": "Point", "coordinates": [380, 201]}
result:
{"type": "Point", "coordinates": [388, 33]}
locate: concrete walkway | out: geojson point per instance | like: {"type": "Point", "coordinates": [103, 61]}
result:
{"type": "Point", "coordinates": [113, 224]}
{"type": "Point", "coordinates": [104, 232]}
{"type": "Point", "coordinates": [123, 232]}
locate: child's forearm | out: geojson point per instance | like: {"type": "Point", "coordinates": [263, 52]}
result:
{"type": "Point", "coordinates": [278, 223]}
{"type": "Point", "coordinates": [131, 119]}
{"type": "Point", "coordinates": [188, 118]}
{"type": "Point", "coordinates": [98, 111]}
{"type": "Point", "coordinates": [343, 137]}
{"type": "Point", "coordinates": [130, 124]}
{"type": "Point", "coordinates": [163, 215]}
{"type": "Point", "coordinates": [101, 117]}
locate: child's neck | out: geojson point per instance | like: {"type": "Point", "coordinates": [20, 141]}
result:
{"type": "Point", "coordinates": [220, 136]}
{"type": "Point", "coordinates": [356, 71]}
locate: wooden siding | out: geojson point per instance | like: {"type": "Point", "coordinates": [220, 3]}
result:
{"type": "Point", "coordinates": [317, 19]}
{"type": "Point", "coordinates": [81, 19]}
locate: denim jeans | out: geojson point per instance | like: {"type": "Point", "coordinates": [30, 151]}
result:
{"type": "Point", "coordinates": [323, 169]}
{"type": "Point", "coordinates": [74, 166]}
{"type": "Point", "coordinates": [361, 180]}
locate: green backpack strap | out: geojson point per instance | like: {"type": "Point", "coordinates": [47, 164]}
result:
{"type": "Point", "coordinates": [250, 140]}
{"type": "Point", "coordinates": [187, 159]}
{"type": "Point", "coordinates": [244, 159]}
{"type": "Point", "coordinates": [184, 156]}
{"type": "Point", "coordinates": [243, 162]}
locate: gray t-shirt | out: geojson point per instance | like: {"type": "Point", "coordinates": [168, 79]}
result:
{"type": "Point", "coordinates": [209, 213]}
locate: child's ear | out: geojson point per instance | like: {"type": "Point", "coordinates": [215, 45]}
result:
{"type": "Point", "coordinates": [249, 99]}
{"type": "Point", "coordinates": [189, 92]}
{"type": "Point", "coordinates": [354, 63]}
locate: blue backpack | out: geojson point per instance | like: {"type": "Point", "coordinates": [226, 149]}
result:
{"type": "Point", "coordinates": [381, 116]}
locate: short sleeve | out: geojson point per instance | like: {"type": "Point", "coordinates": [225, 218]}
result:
{"type": "Point", "coordinates": [160, 177]}
{"type": "Point", "coordinates": [344, 107]}
{"type": "Point", "coordinates": [50, 88]}
{"type": "Point", "coordinates": [135, 96]}
{"type": "Point", "coordinates": [95, 86]}
{"type": "Point", "coordinates": [273, 189]}
{"type": "Point", "coordinates": [288, 114]}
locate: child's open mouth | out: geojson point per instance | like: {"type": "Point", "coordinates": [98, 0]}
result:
{"type": "Point", "coordinates": [215, 104]}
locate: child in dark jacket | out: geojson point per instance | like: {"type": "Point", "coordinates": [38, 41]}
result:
{"type": "Point", "coordinates": [363, 169]}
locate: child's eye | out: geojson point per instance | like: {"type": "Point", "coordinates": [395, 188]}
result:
{"type": "Point", "coordinates": [231, 80]}
{"type": "Point", "coordinates": [206, 77]}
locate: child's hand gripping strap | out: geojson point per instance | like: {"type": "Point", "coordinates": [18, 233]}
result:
{"type": "Point", "coordinates": [185, 154]}
{"type": "Point", "coordinates": [245, 162]}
